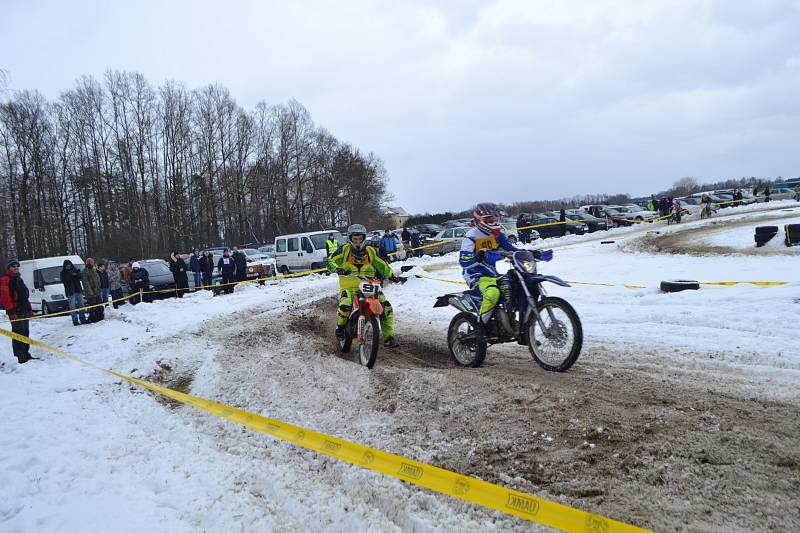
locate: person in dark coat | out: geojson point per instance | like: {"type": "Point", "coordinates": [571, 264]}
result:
{"type": "Point", "coordinates": [562, 217]}
{"type": "Point", "coordinates": [102, 270]}
{"type": "Point", "coordinates": [405, 236]}
{"type": "Point", "coordinates": [207, 268]}
{"type": "Point", "coordinates": [194, 266]}
{"type": "Point", "coordinates": [415, 242]}
{"type": "Point", "coordinates": [91, 289]}
{"type": "Point", "coordinates": [178, 268]}
{"type": "Point", "coordinates": [663, 207]}
{"type": "Point", "coordinates": [71, 279]}
{"type": "Point", "coordinates": [227, 267]}
{"type": "Point", "coordinates": [522, 222]}
{"type": "Point", "coordinates": [140, 282]}
{"type": "Point", "coordinates": [240, 260]}
{"type": "Point", "coordinates": [14, 296]}
{"type": "Point", "coordinates": [766, 193]}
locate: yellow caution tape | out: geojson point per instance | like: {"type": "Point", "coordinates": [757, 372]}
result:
{"type": "Point", "coordinates": [77, 309]}
{"type": "Point", "coordinates": [720, 283]}
{"type": "Point", "coordinates": [425, 475]}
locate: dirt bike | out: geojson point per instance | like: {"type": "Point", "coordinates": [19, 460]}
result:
{"type": "Point", "coordinates": [549, 326]}
{"type": "Point", "coordinates": [363, 325]}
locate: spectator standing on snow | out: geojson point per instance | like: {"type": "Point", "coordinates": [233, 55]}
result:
{"type": "Point", "coordinates": [126, 273]}
{"type": "Point", "coordinates": [194, 266]}
{"type": "Point", "coordinates": [388, 247]}
{"type": "Point", "coordinates": [405, 236]}
{"type": "Point", "coordinates": [91, 290]}
{"type": "Point", "coordinates": [227, 268]}
{"type": "Point", "coordinates": [766, 193]}
{"type": "Point", "coordinates": [71, 280]}
{"type": "Point", "coordinates": [207, 268]}
{"type": "Point", "coordinates": [140, 282]}
{"type": "Point", "coordinates": [240, 260]}
{"type": "Point", "coordinates": [522, 222]}
{"type": "Point", "coordinates": [102, 271]}
{"type": "Point", "coordinates": [14, 296]}
{"type": "Point", "coordinates": [652, 203]}
{"type": "Point", "coordinates": [755, 190]}
{"type": "Point", "coordinates": [562, 217]}
{"type": "Point", "coordinates": [663, 207]}
{"type": "Point", "coordinates": [115, 283]}
{"type": "Point", "coordinates": [415, 242]}
{"type": "Point", "coordinates": [178, 268]}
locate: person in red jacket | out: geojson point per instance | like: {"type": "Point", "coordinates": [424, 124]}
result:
{"type": "Point", "coordinates": [14, 296]}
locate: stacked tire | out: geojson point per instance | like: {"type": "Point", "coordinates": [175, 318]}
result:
{"type": "Point", "coordinates": [792, 234]}
{"type": "Point", "coordinates": [764, 234]}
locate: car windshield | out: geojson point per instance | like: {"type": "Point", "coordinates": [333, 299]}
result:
{"type": "Point", "coordinates": [267, 249]}
{"type": "Point", "coordinates": [52, 275]}
{"type": "Point", "coordinates": [249, 251]}
{"type": "Point", "coordinates": [156, 269]}
{"type": "Point", "coordinates": [320, 239]}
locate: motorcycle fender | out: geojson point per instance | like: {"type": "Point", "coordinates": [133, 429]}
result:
{"type": "Point", "coordinates": [551, 279]}
{"type": "Point", "coordinates": [376, 307]}
{"type": "Point", "coordinates": [442, 301]}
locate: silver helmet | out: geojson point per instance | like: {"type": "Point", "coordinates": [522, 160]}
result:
{"type": "Point", "coordinates": [357, 229]}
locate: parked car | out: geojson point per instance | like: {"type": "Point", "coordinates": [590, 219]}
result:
{"type": "Point", "coordinates": [428, 230]}
{"type": "Point", "coordinates": [259, 265]}
{"type": "Point", "coordinates": [554, 230]}
{"type": "Point", "coordinates": [268, 249]}
{"type": "Point", "coordinates": [43, 279]}
{"type": "Point", "coordinates": [447, 240]}
{"type": "Point", "coordinates": [592, 222]}
{"type": "Point", "coordinates": [303, 251]}
{"type": "Point", "coordinates": [161, 279]}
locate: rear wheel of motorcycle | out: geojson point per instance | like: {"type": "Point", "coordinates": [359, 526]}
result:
{"type": "Point", "coordinates": [470, 353]}
{"type": "Point", "coordinates": [368, 349]}
{"type": "Point", "coordinates": [557, 348]}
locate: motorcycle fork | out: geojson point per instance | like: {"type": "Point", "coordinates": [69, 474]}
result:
{"type": "Point", "coordinates": [532, 304]}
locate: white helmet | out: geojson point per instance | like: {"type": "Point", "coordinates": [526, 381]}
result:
{"type": "Point", "coordinates": [357, 229]}
{"type": "Point", "coordinates": [136, 265]}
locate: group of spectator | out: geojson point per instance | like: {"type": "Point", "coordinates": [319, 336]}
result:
{"type": "Point", "coordinates": [88, 287]}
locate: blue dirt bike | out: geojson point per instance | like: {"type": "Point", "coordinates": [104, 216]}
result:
{"type": "Point", "coordinates": [549, 326]}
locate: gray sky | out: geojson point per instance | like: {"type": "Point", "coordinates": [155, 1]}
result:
{"type": "Point", "coordinates": [467, 100]}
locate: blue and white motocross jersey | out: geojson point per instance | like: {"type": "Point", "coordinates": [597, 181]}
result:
{"type": "Point", "coordinates": [475, 241]}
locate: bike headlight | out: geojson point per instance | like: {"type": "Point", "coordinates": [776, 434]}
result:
{"type": "Point", "coordinates": [58, 297]}
{"type": "Point", "coordinates": [529, 267]}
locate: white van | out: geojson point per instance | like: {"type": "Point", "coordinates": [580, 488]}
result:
{"type": "Point", "coordinates": [43, 279]}
{"type": "Point", "coordinates": [303, 251]}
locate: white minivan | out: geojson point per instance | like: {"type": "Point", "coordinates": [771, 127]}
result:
{"type": "Point", "coordinates": [303, 251]}
{"type": "Point", "coordinates": [43, 279]}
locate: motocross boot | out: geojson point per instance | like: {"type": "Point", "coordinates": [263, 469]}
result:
{"type": "Point", "coordinates": [340, 332]}
{"type": "Point", "coordinates": [391, 342]}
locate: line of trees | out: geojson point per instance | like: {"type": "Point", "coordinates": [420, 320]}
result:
{"type": "Point", "coordinates": [117, 167]}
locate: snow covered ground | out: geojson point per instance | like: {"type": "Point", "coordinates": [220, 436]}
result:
{"type": "Point", "coordinates": [85, 451]}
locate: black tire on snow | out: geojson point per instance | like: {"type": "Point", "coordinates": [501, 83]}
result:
{"type": "Point", "coordinates": [763, 238]}
{"type": "Point", "coordinates": [372, 328]}
{"type": "Point", "coordinates": [607, 242]}
{"type": "Point", "coordinates": [552, 301]}
{"type": "Point", "coordinates": [678, 285]}
{"type": "Point", "coordinates": [480, 346]}
{"type": "Point", "coordinates": [766, 230]}
{"type": "Point", "coordinates": [792, 234]}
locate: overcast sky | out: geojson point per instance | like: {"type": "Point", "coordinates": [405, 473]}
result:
{"type": "Point", "coordinates": [468, 101]}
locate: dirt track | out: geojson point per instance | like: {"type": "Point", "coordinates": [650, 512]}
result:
{"type": "Point", "coordinates": [625, 434]}
{"type": "Point", "coordinates": [686, 241]}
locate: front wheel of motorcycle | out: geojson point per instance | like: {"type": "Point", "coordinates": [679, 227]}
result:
{"type": "Point", "coordinates": [557, 347]}
{"type": "Point", "coordinates": [466, 349]}
{"type": "Point", "coordinates": [368, 349]}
